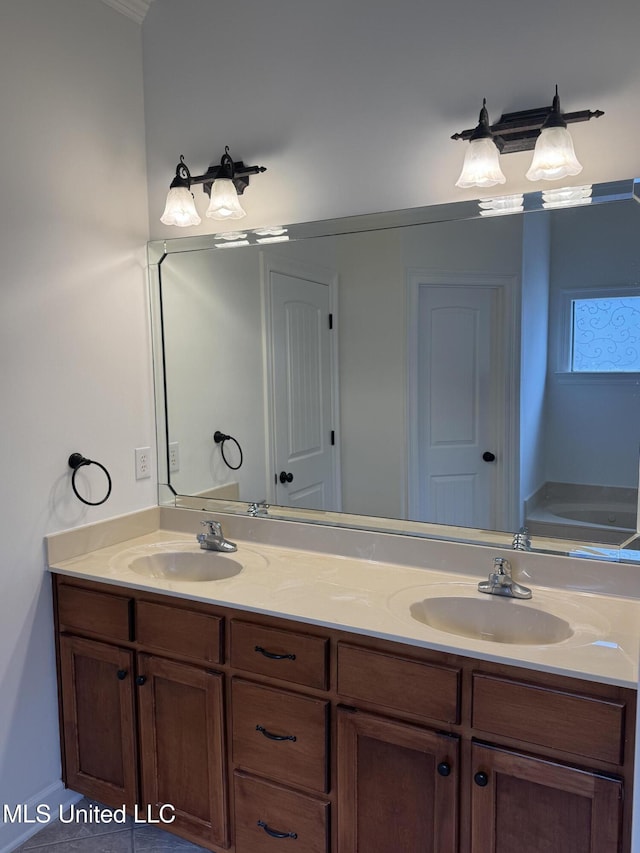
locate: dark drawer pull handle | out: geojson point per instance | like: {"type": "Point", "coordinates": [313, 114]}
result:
{"type": "Point", "coordinates": [122, 674]}
{"type": "Point", "coordinates": [141, 679]}
{"type": "Point", "coordinates": [274, 833]}
{"type": "Point", "coordinates": [481, 779]}
{"type": "Point", "coordinates": [264, 732]}
{"type": "Point", "coordinates": [444, 769]}
{"type": "Point", "coordinates": [273, 656]}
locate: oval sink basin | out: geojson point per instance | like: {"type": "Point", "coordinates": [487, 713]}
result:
{"type": "Point", "coordinates": [498, 620]}
{"type": "Point", "coordinates": [186, 566]}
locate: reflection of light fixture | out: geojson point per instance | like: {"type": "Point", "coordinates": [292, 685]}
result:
{"type": "Point", "coordinates": [567, 196]}
{"type": "Point", "coordinates": [482, 161]}
{"type": "Point", "coordinates": [223, 183]}
{"type": "Point", "coordinates": [501, 205]}
{"type": "Point", "coordinates": [544, 128]}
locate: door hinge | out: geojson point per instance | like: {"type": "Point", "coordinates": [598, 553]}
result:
{"type": "Point", "coordinates": [331, 321]}
{"type": "Point", "coordinates": [275, 479]}
{"type": "Point", "coordinates": [333, 436]}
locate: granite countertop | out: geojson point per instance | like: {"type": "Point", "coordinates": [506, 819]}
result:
{"type": "Point", "coordinates": [373, 598]}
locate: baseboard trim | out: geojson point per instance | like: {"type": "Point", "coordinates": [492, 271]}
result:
{"type": "Point", "coordinates": [55, 796]}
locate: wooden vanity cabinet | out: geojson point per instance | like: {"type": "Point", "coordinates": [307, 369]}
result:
{"type": "Point", "coordinates": [98, 720]}
{"type": "Point", "coordinates": [267, 735]}
{"type": "Point", "coordinates": [124, 707]}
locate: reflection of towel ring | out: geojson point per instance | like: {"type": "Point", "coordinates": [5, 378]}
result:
{"type": "Point", "coordinates": [77, 461]}
{"type": "Point", "coordinates": [220, 438]}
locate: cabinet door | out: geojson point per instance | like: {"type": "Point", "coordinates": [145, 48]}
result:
{"type": "Point", "coordinates": [182, 746]}
{"type": "Point", "coordinates": [98, 720]}
{"type": "Point", "coordinates": [532, 804]}
{"type": "Point", "coordinates": [397, 787]}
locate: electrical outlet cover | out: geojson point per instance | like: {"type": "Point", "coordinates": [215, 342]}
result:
{"type": "Point", "coordinates": [143, 463]}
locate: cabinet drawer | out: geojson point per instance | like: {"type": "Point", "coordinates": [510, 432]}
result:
{"type": "Point", "coordinates": [294, 657]}
{"type": "Point", "coordinates": [281, 735]}
{"type": "Point", "coordinates": [398, 684]}
{"type": "Point", "coordinates": [587, 726]}
{"type": "Point", "coordinates": [178, 630]}
{"type": "Point", "coordinates": [265, 811]}
{"type": "Point", "coordinates": [97, 613]}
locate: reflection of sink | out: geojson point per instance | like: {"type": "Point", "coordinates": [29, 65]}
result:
{"type": "Point", "coordinates": [186, 566]}
{"type": "Point", "coordinates": [499, 620]}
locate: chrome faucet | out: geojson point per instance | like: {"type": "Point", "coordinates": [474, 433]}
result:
{"type": "Point", "coordinates": [258, 508]}
{"type": "Point", "coordinates": [501, 582]}
{"type": "Point", "coordinates": [521, 540]}
{"type": "Point", "coordinates": [214, 539]}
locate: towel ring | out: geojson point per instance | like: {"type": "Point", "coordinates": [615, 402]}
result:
{"type": "Point", "coordinates": [220, 438]}
{"type": "Point", "coordinates": [78, 461]}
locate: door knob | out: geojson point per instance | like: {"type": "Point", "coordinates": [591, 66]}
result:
{"type": "Point", "coordinates": [488, 456]}
{"type": "Point", "coordinates": [286, 477]}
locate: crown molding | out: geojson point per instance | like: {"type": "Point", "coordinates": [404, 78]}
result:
{"type": "Point", "coordinates": [135, 9]}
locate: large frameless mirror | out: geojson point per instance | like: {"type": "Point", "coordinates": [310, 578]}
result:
{"type": "Point", "coordinates": [446, 371]}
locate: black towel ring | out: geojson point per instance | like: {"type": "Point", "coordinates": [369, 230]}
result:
{"type": "Point", "coordinates": [77, 461]}
{"type": "Point", "coordinates": [220, 438]}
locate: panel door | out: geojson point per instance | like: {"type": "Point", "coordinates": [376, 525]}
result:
{"type": "Point", "coordinates": [537, 806]}
{"type": "Point", "coordinates": [457, 412]}
{"type": "Point", "coordinates": [98, 720]}
{"type": "Point", "coordinates": [182, 746]}
{"type": "Point", "coordinates": [301, 392]}
{"type": "Point", "coordinates": [397, 787]}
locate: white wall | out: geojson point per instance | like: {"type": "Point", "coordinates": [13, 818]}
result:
{"type": "Point", "coordinates": [536, 236]}
{"type": "Point", "coordinates": [74, 341]}
{"type": "Point", "coordinates": [351, 105]}
{"type": "Point", "coordinates": [214, 368]}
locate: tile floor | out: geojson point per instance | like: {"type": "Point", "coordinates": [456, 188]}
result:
{"type": "Point", "coordinates": [81, 837]}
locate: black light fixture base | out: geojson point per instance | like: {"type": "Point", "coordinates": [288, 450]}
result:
{"type": "Point", "coordinates": [518, 131]}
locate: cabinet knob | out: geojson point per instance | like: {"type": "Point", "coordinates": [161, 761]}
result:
{"type": "Point", "coordinates": [122, 674]}
{"type": "Point", "coordinates": [141, 679]}
{"type": "Point", "coordinates": [481, 779]}
{"type": "Point", "coordinates": [444, 769]}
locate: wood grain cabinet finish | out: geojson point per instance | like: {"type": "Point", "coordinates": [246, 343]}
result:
{"type": "Point", "coordinates": [99, 614]}
{"type": "Point", "coordinates": [538, 806]}
{"type": "Point", "coordinates": [586, 726]}
{"type": "Point", "coordinates": [269, 818]}
{"type": "Point", "coordinates": [352, 744]}
{"type": "Point", "coordinates": [182, 746]}
{"type": "Point", "coordinates": [286, 655]}
{"type": "Point", "coordinates": [399, 684]}
{"type": "Point", "coordinates": [399, 785]}
{"type": "Point", "coordinates": [179, 631]}
{"type": "Point", "coordinates": [280, 735]}
{"type": "Point", "coordinates": [98, 720]}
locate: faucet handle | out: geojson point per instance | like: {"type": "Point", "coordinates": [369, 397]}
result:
{"type": "Point", "coordinates": [215, 528]}
{"type": "Point", "coordinates": [501, 566]}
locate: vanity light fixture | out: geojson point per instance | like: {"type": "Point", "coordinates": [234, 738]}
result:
{"type": "Point", "coordinates": [543, 128]}
{"type": "Point", "coordinates": [223, 183]}
{"type": "Point", "coordinates": [481, 166]}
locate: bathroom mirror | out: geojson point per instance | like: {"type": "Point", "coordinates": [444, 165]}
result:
{"type": "Point", "coordinates": [443, 371]}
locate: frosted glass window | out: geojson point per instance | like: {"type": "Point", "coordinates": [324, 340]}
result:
{"type": "Point", "coordinates": [606, 335]}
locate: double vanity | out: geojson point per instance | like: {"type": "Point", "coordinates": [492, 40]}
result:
{"type": "Point", "coordinates": [356, 694]}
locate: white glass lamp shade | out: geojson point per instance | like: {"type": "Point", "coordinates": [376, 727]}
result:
{"type": "Point", "coordinates": [481, 165]}
{"type": "Point", "coordinates": [224, 202]}
{"type": "Point", "coordinates": [554, 157]}
{"type": "Point", "coordinates": [180, 208]}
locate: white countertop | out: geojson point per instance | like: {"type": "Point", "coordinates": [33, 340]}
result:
{"type": "Point", "coordinates": [373, 599]}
